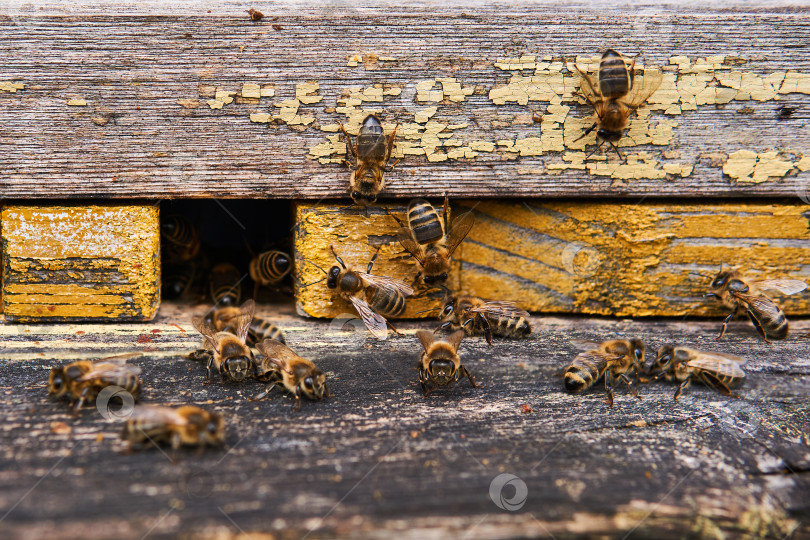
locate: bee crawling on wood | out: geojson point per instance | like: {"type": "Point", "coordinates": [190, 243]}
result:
{"type": "Point", "coordinates": [374, 297]}
{"type": "Point", "coordinates": [280, 366]}
{"type": "Point", "coordinates": [478, 317]}
{"type": "Point", "coordinates": [440, 364]}
{"type": "Point", "coordinates": [428, 239]}
{"type": "Point", "coordinates": [614, 95]}
{"type": "Point", "coordinates": [371, 156]}
{"type": "Point", "coordinates": [227, 352]}
{"type": "Point", "coordinates": [181, 426]}
{"type": "Point", "coordinates": [612, 360]}
{"type": "Point", "coordinates": [680, 364]}
{"type": "Point", "coordinates": [83, 380]}
{"type": "Point", "coordinates": [747, 297]}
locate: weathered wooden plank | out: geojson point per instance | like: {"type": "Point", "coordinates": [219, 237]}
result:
{"type": "Point", "coordinates": [63, 262]}
{"type": "Point", "coordinates": [462, 82]}
{"type": "Point", "coordinates": [356, 234]}
{"type": "Point", "coordinates": [644, 259]}
{"type": "Point", "coordinates": [379, 460]}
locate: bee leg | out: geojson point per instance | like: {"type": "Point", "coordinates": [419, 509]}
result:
{"type": "Point", "coordinates": [630, 385]}
{"type": "Point", "coordinates": [758, 326]}
{"type": "Point", "coordinates": [446, 210]}
{"type": "Point", "coordinates": [681, 388]}
{"type": "Point", "coordinates": [595, 150]}
{"type": "Point", "coordinates": [297, 399]}
{"type": "Point", "coordinates": [416, 279]}
{"type": "Point", "coordinates": [80, 402]}
{"type": "Point", "coordinates": [210, 372]}
{"type": "Point", "coordinates": [487, 329]}
{"type": "Point", "coordinates": [725, 324]}
{"type": "Point", "coordinates": [349, 144]}
{"type": "Point", "coordinates": [587, 131]}
{"type": "Point", "coordinates": [445, 326]}
{"type": "Point", "coordinates": [391, 326]}
{"type": "Point", "coordinates": [391, 138]}
{"type": "Point", "coordinates": [609, 387]}
{"type": "Point", "coordinates": [711, 380]}
{"type": "Point", "coordinates": [621, 157]}
{"type": "Point", "coordinates": [466, 373]}
{"type": "Point", "coordinates": [263, 394]}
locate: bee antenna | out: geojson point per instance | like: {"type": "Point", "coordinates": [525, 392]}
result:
{"type": "Point", "coordinates": [621, 157]}
{"type": "Point", "coordinates": [595, 149]}
{"type": "Point", "coordinates": [313, 283]}
{"type": "Point", "coordinates": [339, 260]}
{"type": "Point", "coordinates": [426, 311]}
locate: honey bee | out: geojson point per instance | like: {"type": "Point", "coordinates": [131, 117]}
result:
{"type": "Point", "coordinates": [371, 159]}
{"type": "Point", "coordinates": [615, 95]}
{"type": "Point", "coordinates": [81, 381]}
{"type": "Point", "coordinates": [612, 360]}
{"type": "Point", "coordinates": [226, 351]}
{"type": "Point", "coordinates": [226, 320]}
{"type": "Point", "coordinates": [429, 240]}
{"type": "Point", "coordinates": [282, 367]}
{"type": "Point", "coordinates": [440, 364]}
{"type": "Point", "coordinates": [225, 285]}
{"type": "Point", "coordinates": [181, 426]}
{"type": "Point", "coordinates": [177, 278]}
{"type": "Point", "coordinates": [746, 297]}
{"type": "Point", "coordinates": [680, 364]}
{"type": "Point", "coordinates": [269, 268]}
{"type": "Point", "coordinates": [478, 317]}
{"type": "Point", "coordinates": [255, 15]}
{"type": "Point", "coordinates": [374, 297]}
{"type": "Point", "coordinates": [180, 241]}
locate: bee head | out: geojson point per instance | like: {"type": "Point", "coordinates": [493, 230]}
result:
{"type": "Point", "coordinates": [638, 352]}
{"type": "Point", "coordinates": [57, 386]}
{"type": "Point", "coordinates": [238, 367]}
{"type": "Point", "coordinates": [332, 277]}
{"type": "Point", "coordinates": [214, 430]}
{"type": "Point", "coordinates": [663, 360]}
{"type": "Point", "coordinates": [436, 279]}
{"type": "Point", "coordinates": [313, 386]}
{"type": "Point", "coordinates": [609, 136]}
{"type": "Point", "coordinates": [441, 370]}
{"type": "Point", "coordinates": [363, 199]}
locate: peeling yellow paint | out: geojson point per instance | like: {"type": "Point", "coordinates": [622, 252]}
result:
{"type": "Point", "coordinates": [251, 90]}
{"type": "Point", "coordinates": [11, 86]}
{"type": "Point", "coordinates": [189, 103]}
{"type": "Point", "coordinates": [214, 104]}
{"type": "Point", "coordinates": [354, 60]}
{"type": "Point", "coordinates": [261, 118]}
{"type": "Point", "coordinates": [305, 93]}
{"type": "Point", "coordinates": [803, 164]}
{"type": "Point", "coordinates": [749, 167]}
{"type": "Point", "coordinates": [53, 256]}
{"type": "Point", "coordinates": [77, 102]}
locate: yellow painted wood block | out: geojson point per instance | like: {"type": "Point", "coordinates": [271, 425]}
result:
{"type": "Point", "coordinates": [80, 262]}
{"type": "Point", "coordinates": [629, 260]}
{"type": "Point", "coordinates": [355, 233]}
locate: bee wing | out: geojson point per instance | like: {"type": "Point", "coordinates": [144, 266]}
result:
{"type": "Point", "coordinates": [584, 344]}
{"type": "Point", "coordinates": [276, 352]}
{"type": "Point", "coordinates": [110, 371]}
{"type": "Point", "coordinates": [500, 309]}
{"type": "Point", "coordinates": [157, 415]}
{"type": "Point", "coordinates": [784, 286]}
{"type": "Point", "coordinates": [719, 363]}
{"type": "Point", "coordinates": [643, 87]}
{"type": "Point", "coordinates": [207, 330]}
{"type": "Point", "coordinates": [242, 325]}
{"type": "Point", "coordinates": [589, 87]}
{"type": "Point", "coordinates": [410, 244]}
{"type": "Point", "coordinates": [597, 357]}
{"type": "Point", "coordinates": [458, 230]}
{"type": "Point", "coordinates": [760, 304]}
{"type": "Point", "coordinates": [388, 283]}
{"type": "Point", "coordinates": [118, 358]}
{"type": "Point", "coordinates": [375, 322]}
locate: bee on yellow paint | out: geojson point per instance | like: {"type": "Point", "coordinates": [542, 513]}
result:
{"type": "Point", "coordinates": [747, 297]}
{"type": "Point", "coordinates": [680, 364]}
{"type": "Point", "coordinates": [428, 239]}
{"type": "Point", "coordinates": [615, 94]}
{"type": "Point", "coordinates": [371, 157]}
{"type": "Point", "coordinates": [374, 297]}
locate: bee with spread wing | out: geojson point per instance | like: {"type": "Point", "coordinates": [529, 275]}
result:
{"type": "Point", "coordinates": [374, 297]}
{"type": "Point", "coordinates": [719, 371]}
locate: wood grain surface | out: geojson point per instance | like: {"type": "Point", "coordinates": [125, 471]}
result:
{"type": "Point", "coordinates": [601, 258]}
{"type": "Point", "coordinates": [77, 262]}
{"type": "Point", "coordinates": [173, 101]}
{"type": "Point", "coordinates": [379, 460]}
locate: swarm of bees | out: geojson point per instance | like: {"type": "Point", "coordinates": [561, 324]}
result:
{"type": "Point", "coordinates": [238, 345]}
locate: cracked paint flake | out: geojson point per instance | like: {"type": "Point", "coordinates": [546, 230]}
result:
{"type": "Point", "coordinates": [748, 167]}
{"type": "Point", "coordinates": [11, 87]}
{"type": "Point", "coordinates": [77, 102]}
{"type": "Point", "coordinates": [305, 93]}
